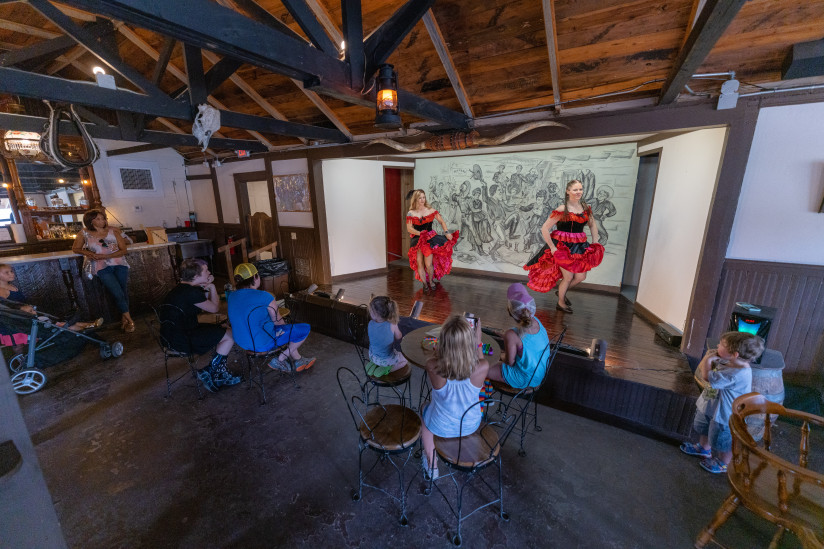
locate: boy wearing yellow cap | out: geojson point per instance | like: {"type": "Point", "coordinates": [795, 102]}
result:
{"type": "Point", "coordinates": [259, 327]}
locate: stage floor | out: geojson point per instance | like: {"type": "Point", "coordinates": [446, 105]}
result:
{"type": "Point", "coordinates": [633, 351]}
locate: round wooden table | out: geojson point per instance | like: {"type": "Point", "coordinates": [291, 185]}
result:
{"type": "Point", "coordinates": [415, 354]}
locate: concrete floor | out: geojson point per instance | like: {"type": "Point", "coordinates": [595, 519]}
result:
{"type": "Point", "coordinates": [127, 467]}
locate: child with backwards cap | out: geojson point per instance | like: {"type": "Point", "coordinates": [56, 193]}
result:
{"type": "Point", "coordinates": [456, 374]}
{"type": "Point", "coordinates": [257, 324]}
{"type": "Point", "coordinates": [524, 344]}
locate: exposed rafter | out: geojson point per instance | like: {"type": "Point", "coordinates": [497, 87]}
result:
{"type": "Point", "coordinates": [308, 22]}
{"type": "Point", "coordinates": [181, 139]}
{"type": "Point", "coordinates": [552, 49]}
{"type": "Point", "coordinates": [95, 46]}
{"type": "Point", "coordinates": [324, 108]}
{"type": "Point", "coordinates": [446, 60]}
{"type": "Point", "coordinates": [711, 24]}
{"type": "Point", "coordinates": [52, 47]}
{"type": "Point", "coordinates": [386, 38]}
{"type": "Point", "coordinates": [353, 35]}
{"type": "Point", "coordinates": [323, 16]}
{"type": "Point", "coordinates": [27, 29]}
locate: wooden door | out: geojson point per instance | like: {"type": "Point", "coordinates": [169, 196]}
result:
{"type": "Point", "coordinates": [407, 185]}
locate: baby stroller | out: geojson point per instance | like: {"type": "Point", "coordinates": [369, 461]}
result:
{"type": "Point", "coordinates": [45, 338]}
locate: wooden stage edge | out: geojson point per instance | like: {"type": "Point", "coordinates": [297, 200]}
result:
{"type": "Point", "coordinates": [643, 384]}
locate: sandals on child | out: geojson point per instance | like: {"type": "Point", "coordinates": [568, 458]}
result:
{"type": "Point", "coordinates": [713, 465]}
{"type": "Point", "coordinates": [693, 449]}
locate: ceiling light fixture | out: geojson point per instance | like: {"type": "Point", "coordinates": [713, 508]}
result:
{"type": "Point", "coordinates": [387, 113]}
{"type": "Point", "coordinates": [98, 70]}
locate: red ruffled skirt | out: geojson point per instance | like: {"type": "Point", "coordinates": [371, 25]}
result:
{"type": "Point", "coordinates": [545, 268]}
{"type": "Point", "coordinates": [431, 243]}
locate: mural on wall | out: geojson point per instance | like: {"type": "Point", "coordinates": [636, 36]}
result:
{"type": "Point", "coordinates": [292, 193]}
{"type": "Point", "coordinates": [500, 201]}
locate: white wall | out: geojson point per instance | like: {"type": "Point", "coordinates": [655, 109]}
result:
{"type": "Point", "coordinates": [777, 217]}
{"type": "Point", "coordinates": [687, 174]}
{"type": "Point", "coordinates": [355, 218]}
{"type": "Point", "coordinates": [164, 205]}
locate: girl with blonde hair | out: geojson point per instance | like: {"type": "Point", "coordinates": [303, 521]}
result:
{"type": "Point", "coordinates": [456, 374]}
{"type": "Point", "coordinates": [383, 333]}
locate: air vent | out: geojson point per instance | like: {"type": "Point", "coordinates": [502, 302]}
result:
{"type": "Point", "coordinates": [136, 179]}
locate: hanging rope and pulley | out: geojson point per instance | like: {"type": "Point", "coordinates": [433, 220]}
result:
{"type": "Point", "coordinates": [50, 140]}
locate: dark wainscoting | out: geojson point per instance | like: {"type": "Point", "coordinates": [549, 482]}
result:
{"type": "Point", "coordinates": [297, 246]}
{"type": "Point", "coordinates": [797, 291]}
{"type": "Point", "coordinates": [219, 233]}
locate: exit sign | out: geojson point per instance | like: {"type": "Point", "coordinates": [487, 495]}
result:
{"type": "Point", "coordinates": [243, 154]}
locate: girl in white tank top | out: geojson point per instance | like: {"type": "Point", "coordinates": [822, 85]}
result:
{"type": "Point", "coordinates": [456, 374]}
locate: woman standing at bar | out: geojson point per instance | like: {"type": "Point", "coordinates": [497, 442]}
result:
{"type": "Point", "coordinates": [566, 256]}
{"type": "Point", "coordinates": [105, 247]}
{"type": "Point", "coordinates": [430, 254]}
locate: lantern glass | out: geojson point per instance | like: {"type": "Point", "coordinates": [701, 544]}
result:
{"type": "Point", "coordinates": [387, 100]}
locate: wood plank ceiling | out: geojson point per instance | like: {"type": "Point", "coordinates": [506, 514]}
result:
{"type": "Point", "coordinates": [496, 51]}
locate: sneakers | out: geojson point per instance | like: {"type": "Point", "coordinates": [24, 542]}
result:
{"type": "Point", "coordinates": [303, 364]}
{"type": "Point", "coordinates": [279, 365]}
{"type": "Point", "coordinates": [429, 474]}
{"type": "Point", "coordinates": [205, 377]}
{"type": "Point", "coordinates": [693, 449]}
{"type": "Point", "coordinates": [713, 465]}
{"type": "Point", "coordinates": [222, 377]}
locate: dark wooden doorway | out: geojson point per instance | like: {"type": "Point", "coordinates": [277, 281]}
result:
{"type": "Point", "coordinates": [256, 208]}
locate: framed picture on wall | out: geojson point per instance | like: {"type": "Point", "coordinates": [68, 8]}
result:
{"type": "Point", "coordinates": [292, 193]}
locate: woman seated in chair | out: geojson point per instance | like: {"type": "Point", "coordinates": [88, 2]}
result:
{"type": "Point", "coordinates": [524, 344]}
{"type": "Point", "coordinates": [14, 298]}
{"type": "Point", "coordinates": [258, 326]}
{"type": "Point", "coordinates": [456, 373]}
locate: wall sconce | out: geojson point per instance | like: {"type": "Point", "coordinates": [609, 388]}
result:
{"type": "Point", "coordinates": [387, 113]}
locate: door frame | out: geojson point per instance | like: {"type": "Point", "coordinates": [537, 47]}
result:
{"type": "Point", "coordinates": [242, 193]}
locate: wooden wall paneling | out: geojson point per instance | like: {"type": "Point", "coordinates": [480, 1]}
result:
{"type": "Point", "coordinates": [797, 291]}
{"type": "Point", "coordinates": [323, 270]}
{"type": "Point", "coordinates": [297, 245]}
{"type": "Point", "coordinates": [407, 184]}
{"type": "Point", "coordinates": [219, 233]}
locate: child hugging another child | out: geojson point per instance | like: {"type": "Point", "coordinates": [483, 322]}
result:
{"type": "Point", "coordinates": [383, 332]}
{"type": "Point", "coordinates": [456, 374]}
{"type": "Point", "coordinates": [727, 372]}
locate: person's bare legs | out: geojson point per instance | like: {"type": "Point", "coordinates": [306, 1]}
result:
{"type": "Point", "coordinates": [224, 346]}
{"type": "Point", "coordinates": [430, 269]}
{"type": "Point", "coordinates": [428, 441]}
{"type": "Point", "coordinates": [399, 364]}
{"type": "Point", "coordinates": [422, 269]}
{"type": "Point", "coordinates": [496, 373]}
{"type": "Point", "coordinates": [563, 286]}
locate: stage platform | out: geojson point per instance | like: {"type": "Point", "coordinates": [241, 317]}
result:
{"type": "Point", "coordinates": [643, 384]}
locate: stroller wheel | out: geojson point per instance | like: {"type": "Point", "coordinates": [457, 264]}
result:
{"type": "Point", "coordinates": [117, 349]}
{"type": "Point", "coordinates": [17, 363]}
{"type": "Point", "coordinates": [28, 381]}
{"type": "Point", "coordinates": [105, 351]}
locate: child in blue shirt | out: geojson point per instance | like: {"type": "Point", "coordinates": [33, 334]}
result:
{"type": "Point", "coordinates": [383, 332]}
{"type": "Point", "coordinates": [726, 369]}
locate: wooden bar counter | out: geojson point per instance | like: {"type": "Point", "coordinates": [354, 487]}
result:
{"type": "Point", "coordinates": [54, 282]}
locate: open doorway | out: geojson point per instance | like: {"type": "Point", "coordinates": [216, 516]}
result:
{"type": "Point", "coordinates": [639, 224]}
{"type": "Point", "coordinates": [254, 204]}
{"type": "Point", "coordinates": [397, 184]}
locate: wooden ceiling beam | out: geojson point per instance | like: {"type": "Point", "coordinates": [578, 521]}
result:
{"type": "Point", "coordinates": [259, 14]}
{"type": "Point", "coordinates": [324, 108]}
{"type": "Point", "coordinates": [552, 49]}
{"type": "Point", "coordinates": [353, 36]}
{"type": "Point", "coordinates": [446, 60]}
{"type": "Point", "coordinates": [326, 21]}
{"type": "Point", "coordinates": [95, 46]}
{"type": "Point", "coordinates": [177, 139]}
{"type": "Point", "coordinates": [75, 13]}
{"type": "Point", "coordinates": [51, 47]}
{"type": "Point", "coordinates": [27, 29]}
{"type": "Point", "coordinates": [250, 91]}
{"type": "Point", "coordinates": [386, 38]}
{"type": "Point", "coordinates": [304, 16]}
{"type": "Point", "coordinates": [711, 24]}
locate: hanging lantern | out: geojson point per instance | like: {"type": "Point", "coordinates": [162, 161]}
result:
{"type": "Point", "coordinates": [387, 114]}
{"type": "Point", "coordinates": [23, 144]}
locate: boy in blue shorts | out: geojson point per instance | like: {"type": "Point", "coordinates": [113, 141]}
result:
{"type": "Point", "coordinates": [726, 370]}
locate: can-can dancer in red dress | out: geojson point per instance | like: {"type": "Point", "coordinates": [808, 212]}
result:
{"type": "Point", "coordinates": [430, 254]}
{"type": "Point", "coordinates": [566, 257]}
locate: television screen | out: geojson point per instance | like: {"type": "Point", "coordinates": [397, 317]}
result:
{"type": "Point", "coordinates": [749, 325]}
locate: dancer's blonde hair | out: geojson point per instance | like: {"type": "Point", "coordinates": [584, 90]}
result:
{"type": "Point", "coordinates": [413, 202]}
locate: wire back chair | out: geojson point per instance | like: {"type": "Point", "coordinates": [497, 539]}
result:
{"type": "Point", "coordinates": [786, 494]}
{"type": "Point", "coordinates": [399, 381]}
{"type": "Point", "coordinates": [167, 320]}
{"type": "Point", "coordinates": [469, 455]}
{"type": "Point", "coordinates": [530, 391]}
{"type": "Point", "coordinates": [265, 346]}
{"type": "Point", "coordinates": [391, 431]}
